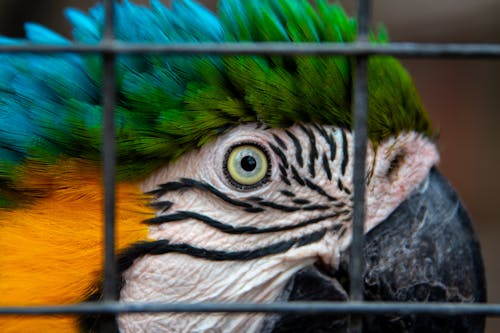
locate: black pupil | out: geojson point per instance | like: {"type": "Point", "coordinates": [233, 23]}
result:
{"type": "Point", "coordinates": [248, 163]}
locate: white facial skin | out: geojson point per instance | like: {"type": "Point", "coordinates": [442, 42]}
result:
{"type": "Point", "coordinates": [320, 206]}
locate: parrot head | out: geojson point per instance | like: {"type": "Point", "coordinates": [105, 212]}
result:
{"type": "Point", "coordinates": [235, 176]}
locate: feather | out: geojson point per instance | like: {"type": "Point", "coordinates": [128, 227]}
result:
{"type": "Point", "coordinates": [168, 105]}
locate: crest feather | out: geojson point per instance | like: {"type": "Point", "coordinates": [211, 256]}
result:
{"type": "Point", "coordinates": [167, 105]}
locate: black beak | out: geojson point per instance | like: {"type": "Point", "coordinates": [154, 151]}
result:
{"type": "Point", "coordinates": [425, 251]}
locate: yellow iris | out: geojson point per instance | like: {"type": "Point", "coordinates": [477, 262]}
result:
{"type": "Point", "coordinates": [247, 165]}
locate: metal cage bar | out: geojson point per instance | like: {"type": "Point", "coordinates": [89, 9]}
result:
{"type": "Point", "coordinates": [360, 111]}
{"type": "Point", "coordinates": [109, 286]}
{"type": "Point", "coordinates": [401, 50]}
{"type": "Point", "coordinates": [109, 48]}
{"type": "Point", "coordinates": [345, 308]}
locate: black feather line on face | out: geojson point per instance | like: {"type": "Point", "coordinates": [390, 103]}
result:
{"type": "Point", "coordinates": [209, 188]}
{"type": "Point", "coordinates": [193, 183]}
{"type": "Point", "coordinates": [91, 323]}
{"type": "Point", "coordinates": [313, 152]}
{"type": "Point", "coordinates": [301, 201]}
{"type": "Point", "coordinates": [283, 208]}
{"type": "Point", "coordinates": [284, 174]}
{"type": "Point", "coordinates": [280, 142]}
{"type": "Point", "coordinates": [319, 190]}
{"type": "Point", "coordinates": [126, 259]}
{"type": "Point", "coordinates": [298, 148]}
{"type": "Point", "coordinates": [162, 206]}
{"type": "Point", "coordinates": [284, 177]}
{"type": "Point", "coordinates": [167, 187]}
{"type": "Point", "coordinates": [326, 167]}
{"type": "Point", "coordinates": [229, 229]}
{"type": "Point", "coordinates": [345, 153]}
{"type": "Point", "coordinates": [342, 187]}
{"type": "Point", "coordinates": [288, 193]}
{"type": "Point", "coordinates": [329, 140]}
{"type": "Point", "coordinates": [248, 207]}
{"type": "Point", "coordinates": [296, 176]}
{"type": "Point", "coordinates": [280, 154]}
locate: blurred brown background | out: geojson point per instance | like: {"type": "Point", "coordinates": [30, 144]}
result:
{"type": "Point", "coordinates": [462, 96]}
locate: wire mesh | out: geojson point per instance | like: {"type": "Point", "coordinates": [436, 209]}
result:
{"type": "Point", "coordinates": [109, 48]}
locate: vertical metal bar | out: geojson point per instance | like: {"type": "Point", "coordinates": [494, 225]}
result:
{"type": "Point", "coordinates": [360, 113]}
{"type": "Point", "coordinates": [364, 19]}
{"type": "Point", "coordinates": [109, 288]}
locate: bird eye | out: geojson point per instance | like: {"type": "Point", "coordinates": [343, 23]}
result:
{"type": "Point", "coordinates": [247, 166]}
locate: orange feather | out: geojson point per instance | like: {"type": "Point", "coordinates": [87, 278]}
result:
{"type": "Point", "coordinates": [52, 250]}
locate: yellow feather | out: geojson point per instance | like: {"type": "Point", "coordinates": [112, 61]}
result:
{"type": "Point", "coordinates": [52, 249]}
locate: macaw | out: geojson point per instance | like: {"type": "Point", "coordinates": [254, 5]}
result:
{"type": "Point", "coordinates": [234, 177]}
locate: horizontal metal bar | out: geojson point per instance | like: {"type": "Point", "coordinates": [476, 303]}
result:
{"type": "Point", "coordinates": [290, 307]}
{"type": "Point", "coordinates": [273, 48]}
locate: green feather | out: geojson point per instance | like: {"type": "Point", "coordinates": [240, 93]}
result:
{"type": "Point", "coordinates": [168, 105]}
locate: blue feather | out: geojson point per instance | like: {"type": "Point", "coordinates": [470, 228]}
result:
{"type": "Point", "coordinates": [167, 104]}
{"type": "Point", "coordinates": [39, 34]}
{"type": "Point", "coordinates": [86, 29]}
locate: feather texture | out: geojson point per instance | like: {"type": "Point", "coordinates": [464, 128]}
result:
{"type": "Point", "coordinates": [50, 105]}
{"type": "Point", "coordinates": [52, 250]}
